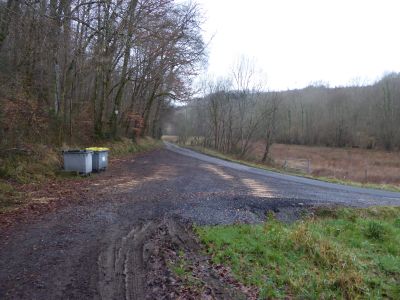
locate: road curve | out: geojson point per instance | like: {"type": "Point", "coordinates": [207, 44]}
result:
{"type": "Point", "coordinates": [290, 186]}
{"type": "Point", "coordinates": [105, 244]}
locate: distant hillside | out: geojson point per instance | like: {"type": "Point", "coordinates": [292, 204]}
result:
{"type": "Point", "coordinates": [355, 116]}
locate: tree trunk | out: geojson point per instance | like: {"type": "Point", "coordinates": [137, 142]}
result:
{"type": "Point", "coordinates": [5, 20]}
{"type": "Point", "coordinates": [266, 152]}
{"type": "Point", "coordinates": [127, 52]}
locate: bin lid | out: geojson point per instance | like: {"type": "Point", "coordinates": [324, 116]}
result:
{"type": "Point", "coordinates": [77, 151]}
{"type": "Point", "coordinates": [98, 149]}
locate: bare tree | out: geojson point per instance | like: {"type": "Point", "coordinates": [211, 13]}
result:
{"type": "Point", "coordinates": [270, 110]}
{"type": "Point", "coordinates": [93, 65]}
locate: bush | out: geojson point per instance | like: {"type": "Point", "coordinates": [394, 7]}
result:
{"type": "Point", "coordinates": [397, 223]}
{"type": "Point", "coordinates": [375, 231]}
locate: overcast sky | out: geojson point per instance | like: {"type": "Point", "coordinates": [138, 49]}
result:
{"type": "Point", "coordinates": [298, 42]}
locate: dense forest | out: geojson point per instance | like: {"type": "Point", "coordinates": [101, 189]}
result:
{"type": "Point", "coordinates": [72, 71]}
{"type": "Point", "coordinates": [233, 114]}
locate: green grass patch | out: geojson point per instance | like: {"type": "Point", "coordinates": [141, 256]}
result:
{"type": "Point", "coordinates": [254, 164]}
{"type": "Point", "coordinates": [344, 253]}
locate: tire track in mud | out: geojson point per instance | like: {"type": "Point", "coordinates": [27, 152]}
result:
{"type": "Point", "coordinates": [135, 264]}
{"type": "Point", "coordinates": [121, 267]}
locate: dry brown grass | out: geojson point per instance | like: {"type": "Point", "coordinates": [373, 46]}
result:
{"type": "Point", "coordinates": [359, 165]}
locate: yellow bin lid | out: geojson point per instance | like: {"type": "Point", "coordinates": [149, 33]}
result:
{"type": "Point", "coordinates": [97, 149]}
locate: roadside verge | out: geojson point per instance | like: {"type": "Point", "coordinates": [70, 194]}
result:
{"type": "Point", "coordinates": [36, 183]}
{"type": "Point", "coordinates": [232, 158]}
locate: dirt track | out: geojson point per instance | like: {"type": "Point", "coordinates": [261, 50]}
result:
{"type": "Point", "coordinates": [118, 242]}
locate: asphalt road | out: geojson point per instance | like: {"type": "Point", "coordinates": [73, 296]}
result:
{"type": "Point", "coordinates": [98, 249]}
{"type": "Point", "coordinates": [289, 186]}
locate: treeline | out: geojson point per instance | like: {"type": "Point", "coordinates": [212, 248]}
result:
{"type": "Point", "coordinates": [230, 119]}
{"type": "Point", "coordinates": [76, 70]}
{"type": "Point", "coordinates": [366, 117]}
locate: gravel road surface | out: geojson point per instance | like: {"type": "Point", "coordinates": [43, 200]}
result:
{"type": "Point", "coordinates": [104, 248]}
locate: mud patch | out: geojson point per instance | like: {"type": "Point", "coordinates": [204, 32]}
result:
{"type": "Point", "coordinates": [163, 259]}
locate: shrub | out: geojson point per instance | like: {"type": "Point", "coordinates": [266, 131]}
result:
{"type": "Point", "coordinates": [375, 230]}
{"type": "Point", "coordinates": [397, 223]}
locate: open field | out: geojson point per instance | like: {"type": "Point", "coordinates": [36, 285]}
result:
{"type": "Point", "coordinates": [360, 165]}
{"type": "Point", "coordinates": [337, 254]}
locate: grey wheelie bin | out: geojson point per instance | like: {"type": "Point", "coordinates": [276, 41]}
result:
{"type": "Point", "coordinates": [99, 158]}
{"type": "Point", "coordinates": [78, 161]}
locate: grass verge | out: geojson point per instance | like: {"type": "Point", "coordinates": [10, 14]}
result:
{"type": "Point", "coordinates": [343, 253]}
{"type": "Point", "coordinates": [43, 163]}
{"type": "Point", "coordinates": [127, 146]}
{"type": "Point", "coordinates": [232, 158]}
